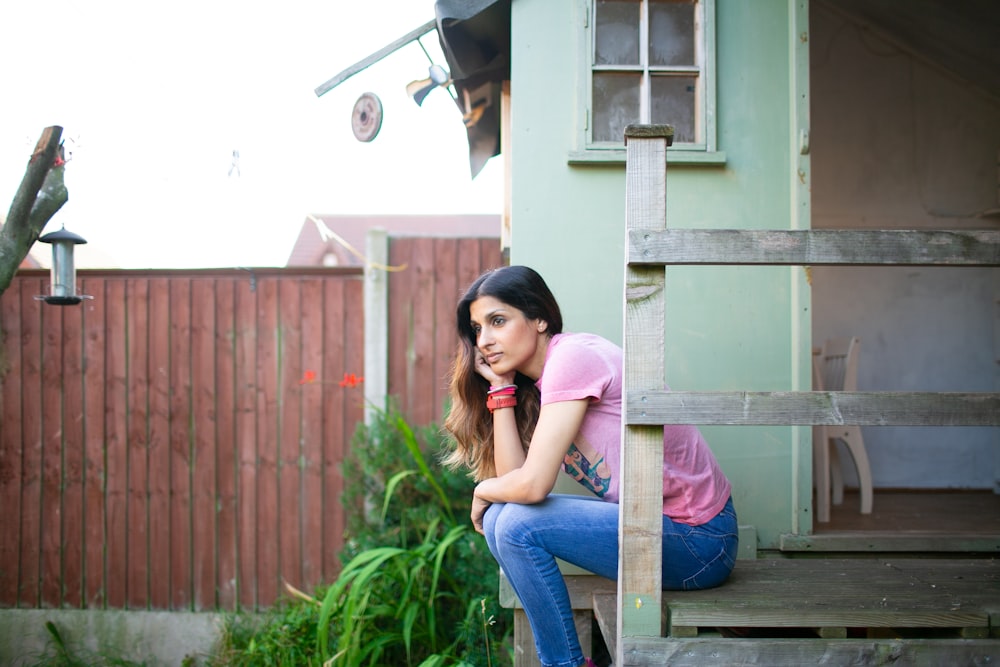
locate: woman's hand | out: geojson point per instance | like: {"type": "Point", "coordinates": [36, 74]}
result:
{"type": "Point", "coordinates": [479, 507]}
{"type": "Point", "coordinates": [486, 371]}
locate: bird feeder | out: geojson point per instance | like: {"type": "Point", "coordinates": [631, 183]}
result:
{"type": "Point", "coordinates": [62, 292]}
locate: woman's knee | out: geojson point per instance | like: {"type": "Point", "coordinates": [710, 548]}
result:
{"type": "Point", "coordinates": [490, 519]}
{"type": "Point", "coordinates": [502, 519]}
{"type": "Point", "coordinates": [512, 525]}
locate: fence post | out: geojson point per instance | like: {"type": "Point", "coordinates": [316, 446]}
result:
{"type": "Point", "coordinates": [641, 501]}
{"type": "Point", "coordinates": [376, 322]}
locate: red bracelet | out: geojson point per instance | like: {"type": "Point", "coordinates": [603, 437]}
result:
{"type": "Point", "coordinates": [497, 402]}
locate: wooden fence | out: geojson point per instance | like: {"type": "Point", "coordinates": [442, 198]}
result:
{"type": "Point", "coordinates": [175, 443]}
{"type": "Point", "coordinates": [421, 331]}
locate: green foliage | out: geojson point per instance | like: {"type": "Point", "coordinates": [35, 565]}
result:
{"type": "Point", "coordinates": [418, 585]}
{"type": "Point", "coordinates": [59, 654]}
{"type": "Point", "coordinates": [284, 636]}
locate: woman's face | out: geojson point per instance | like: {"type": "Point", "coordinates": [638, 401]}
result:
{"type": "Point", "coordinates": [507, 339]}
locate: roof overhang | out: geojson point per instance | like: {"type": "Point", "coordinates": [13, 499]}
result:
{"type": "Point", "coordinates": [475, 39]}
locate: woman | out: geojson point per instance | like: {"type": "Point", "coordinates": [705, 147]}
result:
{"type": "Point", "coordinates": [529, 400]}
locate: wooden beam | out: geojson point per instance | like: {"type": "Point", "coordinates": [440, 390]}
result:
{"type": "Point", "coordinates": [640, 520]}
{"type": "Point", "coordinates": [370, 60]}
{"type": "Point", "coordinates": [889, 541]}
{"type": "Point", "coordinates": [814, 247]}
{"type": "Point", "coordinates": [804, 408]}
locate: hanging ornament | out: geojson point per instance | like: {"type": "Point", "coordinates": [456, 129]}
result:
{"type": "Point", "coordinates": [366, 120]}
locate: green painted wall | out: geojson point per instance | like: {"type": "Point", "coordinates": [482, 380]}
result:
{"type": "Point", "coordinates": [727, 327]}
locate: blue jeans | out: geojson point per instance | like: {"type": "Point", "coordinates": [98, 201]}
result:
{"type": "Point", "coordinates": [527, 539]}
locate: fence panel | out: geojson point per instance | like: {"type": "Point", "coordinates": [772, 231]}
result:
{"type": "Point", "coordinates": [176, 442]}
{"type": "Point", "coordinates": [164, 446]}
{"type": "Point", "coordinates": [422, 300]}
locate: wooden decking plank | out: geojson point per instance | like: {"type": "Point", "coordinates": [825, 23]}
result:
{"type": "Point", "coordinates": [842, 593]}
{"type": "Point", "coordinates": [606, 614]}
{"type": "Point", "coordinates": [819, 618]}
{"type": "Point", "coordinates": [797, 652]}
{"type": "Point", "coordinates": [581, 588]}
{"type": "Point", "coordinates": [893, 541]}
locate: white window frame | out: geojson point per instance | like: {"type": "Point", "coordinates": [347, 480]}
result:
{"type": "Point", "coordinates": [705, 150]}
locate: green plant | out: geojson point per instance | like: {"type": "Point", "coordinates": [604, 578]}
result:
{"type": "Point", "coordinates": [418, 585]}
{"type": "Point", "coordinates": [283, 636]}
{"type": "Point", "coordinates": [417, 580]}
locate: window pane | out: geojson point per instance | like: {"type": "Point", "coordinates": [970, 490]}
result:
{"type": "Point", "coordinates": [616, 33]}
{"type": "Point", "coordinates": [616, 104]}
{"type": "Point", "coordinates": [671, 33]}
{"type": "Point", "coordinates": [673, 103]}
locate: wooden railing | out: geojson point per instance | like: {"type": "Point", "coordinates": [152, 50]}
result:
{"type": "Point", "coordinates": [647, 407]}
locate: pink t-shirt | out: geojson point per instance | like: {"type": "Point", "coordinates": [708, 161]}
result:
{"type": "Point", "coordinates": [579, 366]}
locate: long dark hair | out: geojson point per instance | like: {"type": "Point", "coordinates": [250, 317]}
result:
{"type": "Point", "coordinates": [469, 421]}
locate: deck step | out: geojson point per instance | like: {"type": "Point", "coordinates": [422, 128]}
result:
{"type": "Point", "coordinates": [701, 651]}
{"type": "Point", "coordinates": [836, 596]}
{"type": "Point", "coordinates": [825, 609]}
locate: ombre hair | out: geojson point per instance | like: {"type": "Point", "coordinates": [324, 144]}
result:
{"type": "Point", "coordinates": [469, 422]}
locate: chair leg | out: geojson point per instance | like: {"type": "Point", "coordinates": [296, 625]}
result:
{"type": "Point", "coordinates": [851, 435]}
{"type": "Point", "coordinates": [836, 473]}
{"type": "Point", "coordinates": [821, 474]}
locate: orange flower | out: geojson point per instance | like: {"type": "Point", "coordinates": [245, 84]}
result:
{"type": "Point", "coordinates": [351, 380]}
{"type": "Point", "coordinates": [308, 377]}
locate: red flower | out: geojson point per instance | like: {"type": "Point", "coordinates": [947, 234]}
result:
{"type": "Point", "coordinates": [351, 380]}
{"type": "Point", "coordinates": [308, 377]}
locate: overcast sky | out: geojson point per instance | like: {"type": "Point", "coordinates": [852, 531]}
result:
{"type": "Point", "coordinates": [154, 99]}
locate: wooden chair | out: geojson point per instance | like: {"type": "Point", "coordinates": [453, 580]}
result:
{"type": "Point", "coordinates": [835, 368]}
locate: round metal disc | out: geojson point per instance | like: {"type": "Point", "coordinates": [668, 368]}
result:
{"type": "Point", "coordinates": [366, 120]}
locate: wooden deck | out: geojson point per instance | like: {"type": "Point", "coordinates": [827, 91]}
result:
{"type": "Point", "coordinates": [930, 511]}
{"type": "Point", "coordinates": [864, 608]}
{"type": "Point", "coordinates": [874, 607]}
{"type": "Point", "coordinates": [916, 610]}
{"type": "Point", "coordinates": [850, 611]}
{"type": "Point", "coordinates": [931, 521]}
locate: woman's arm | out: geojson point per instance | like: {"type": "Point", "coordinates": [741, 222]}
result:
{"type": "Point", "coordinates": [558, 424]}
{"type": "Point", "coordinates": [508, 452]}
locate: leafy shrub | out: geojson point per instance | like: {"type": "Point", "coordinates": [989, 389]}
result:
{"type": "Point", "coordinates": [418, 586]}
{"type": "Point", "coordinates": [283, 636]}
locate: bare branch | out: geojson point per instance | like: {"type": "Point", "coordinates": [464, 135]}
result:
{"type": "Point", "coordinates": [41, 194]}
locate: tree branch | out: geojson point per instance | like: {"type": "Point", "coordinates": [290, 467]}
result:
{"type": "Point", "coordinates": [41, 194]}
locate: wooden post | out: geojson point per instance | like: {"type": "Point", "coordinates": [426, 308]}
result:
{"type": "Point", "coordinates": [641, 500]}
{"type": "Point", "coordinates": [376, 322]}
{"type": "Point", "coordinates": [506, 150]}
